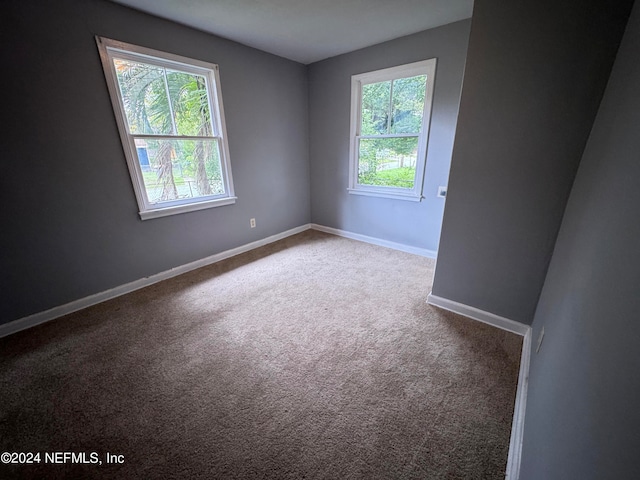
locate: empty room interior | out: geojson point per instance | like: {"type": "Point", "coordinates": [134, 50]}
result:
{"type": "Point", "coordinates": [320, 239]}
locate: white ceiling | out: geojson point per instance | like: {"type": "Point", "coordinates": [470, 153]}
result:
{"type": "Point", "coordinates": [308, 30]}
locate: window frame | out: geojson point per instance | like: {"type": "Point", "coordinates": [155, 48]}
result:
{"type": "Point", "coordinates": [425, 67]}
{"type": "Point", "coordinates": [109, 49]}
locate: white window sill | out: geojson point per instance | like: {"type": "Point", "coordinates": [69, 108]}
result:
{"type": "Point", "coordinates": [411, 197]}
{"type": "Point", "coordinates": [189, 207]}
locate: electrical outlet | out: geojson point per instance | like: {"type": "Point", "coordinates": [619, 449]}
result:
{"type": "Point", "coordinates": [252, 222]}
{"type": "Point", "coordinates": [442, 192]}
{"type": "Point", "coordinates": [540, 337]}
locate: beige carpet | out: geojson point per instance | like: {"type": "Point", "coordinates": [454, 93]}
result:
{"type": "Point", "coordinates": [313, 357]}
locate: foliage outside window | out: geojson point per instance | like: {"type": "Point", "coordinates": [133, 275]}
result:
{"type": "Point", "coordinates": [390, 112]}
{"type": "Point", "coordinates": [169, 113]}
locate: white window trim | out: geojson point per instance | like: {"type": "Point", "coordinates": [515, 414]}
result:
{"type": "Point", "coordinates": [426, 67]}
{"type": "Point", "coordinates": [148, 210]}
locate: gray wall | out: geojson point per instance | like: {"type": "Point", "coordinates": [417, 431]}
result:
{"type": "Point", "coordinates": [70, 226]}
{"type": "Point", "coordinates": [534, 77]}
{"type": "Point", "coordinates": [411, 223]}
{"type": "Point", "coordinates": [582, 416]}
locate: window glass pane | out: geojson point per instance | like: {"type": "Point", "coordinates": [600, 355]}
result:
{"type": "Point", "coordinates": [177, 169]}
{"type": "Point", "coordinates": [190, 104]}
{"type": "Point", "coordinates": [144, 97]}
{"type": "Point", "coordinates": [389, 162]}
{"type": "Point", "coordinates": [375, 108]}
{"type": "Point", "coordinates": [408, 104]}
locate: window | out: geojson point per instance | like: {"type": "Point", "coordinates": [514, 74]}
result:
{"type": "Point", "coordinates": [170, 117]}
{"type": "Point", "coordinates": [390, 112]}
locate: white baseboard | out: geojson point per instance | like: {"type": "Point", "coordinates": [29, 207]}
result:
{"type": "Point", "coordinates": [423, 252]}
{"type": "Point", "coordinates": [53, 313]}
{"type": "Point", "coordinates": [56, 312]}
{"type": "Point", "coordinates": [480, 315]}
{"type": "Point", "coordinates": [517, 427]}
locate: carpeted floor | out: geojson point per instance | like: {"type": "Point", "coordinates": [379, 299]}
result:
{"type": "Point", "coordinates": [313, 357]}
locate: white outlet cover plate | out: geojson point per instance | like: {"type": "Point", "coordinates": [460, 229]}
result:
{"type": "Point", "coordinates": [540, 337]}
